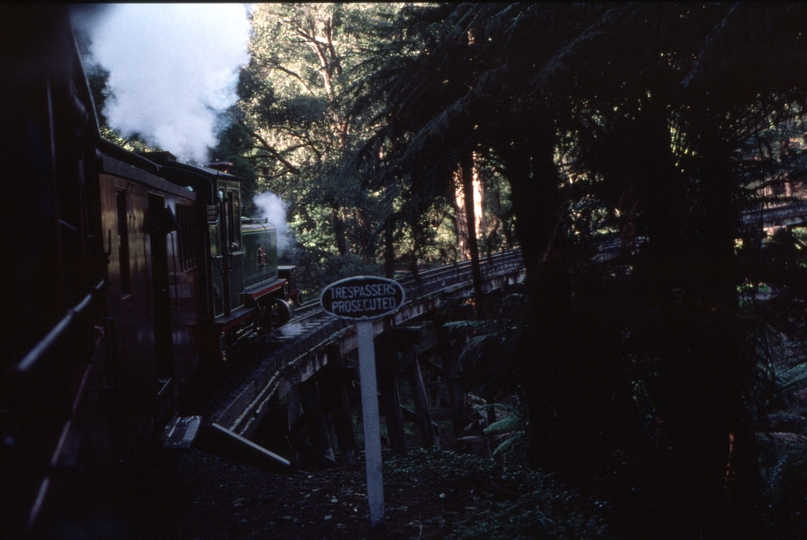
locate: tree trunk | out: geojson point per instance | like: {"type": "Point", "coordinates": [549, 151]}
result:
{"type": "Point", "coordinates": [531, 170]}
{"type": "Point", "coordinates": [389, 248]}
{"type": "Point", "coordinates": [467, 171]}
{"type": "Point", "coordinates": [687, 292]}
{"type": "Point", "coordinates": [339, 230]}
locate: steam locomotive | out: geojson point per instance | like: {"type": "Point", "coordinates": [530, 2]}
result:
{"type": "Point", "coordinates": [122, 273]}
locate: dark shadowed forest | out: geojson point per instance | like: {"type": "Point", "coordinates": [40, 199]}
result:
{"type": "Point", "coordinates": [668, 379]}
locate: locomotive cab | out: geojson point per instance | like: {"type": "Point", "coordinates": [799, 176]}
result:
{"type": "Point", "coordinates": [242, 293]}
{"type": "Point", "coordinates": [226, 252]}
{"type": "Point", "coordinates": [264, 288]}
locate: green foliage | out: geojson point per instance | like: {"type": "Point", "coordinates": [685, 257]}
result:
{"type": "Point", "coordinates": [778, 401]}
{"type": "Point", "coordinates": [618, 144]}
{"type": "Point", "coordinates": [349, 265]}
{"type": "Point", "coordinates": [317, 269]}
{"type": "Point", "coordinates": [489, 344]}
{"type": "Point", "coordinates": [510, 431]}
{"type": "Point", "coordinates": [787, 510]}
{"type": "Point", "coordinates": [298, 133]}
{"type": "Point", "coordinates": [781, 424]}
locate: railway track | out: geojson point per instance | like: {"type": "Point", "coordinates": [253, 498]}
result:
{"type": "Point", "coordinates": [311, 339]}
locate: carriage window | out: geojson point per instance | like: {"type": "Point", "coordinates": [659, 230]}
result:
{"type": "Point", "coordinates": [123, 243]}
{"type": "Point", "coordinates": [214, 239]}
{"type": "Point", "coordinates": [187, 236]}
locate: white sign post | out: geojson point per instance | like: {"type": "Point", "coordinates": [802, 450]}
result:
{"type": "Point", "coordinates": [372, 430]}
{"type": "Point", "coordinates": [365, 298]}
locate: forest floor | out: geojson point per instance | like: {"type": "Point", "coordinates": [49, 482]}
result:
{"type": "Point", "coordinates": [192, 494]}
{"type": "Point", "coordinates": [195, 495]}
{"type": "Point", "coordinates": [438, 494]}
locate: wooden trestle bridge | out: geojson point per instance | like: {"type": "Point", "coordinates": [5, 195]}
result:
{"type": "Point", "coordinates": [774, 217]}
{"type": "Point", "coordinates": [304, 368]}
{"type": "Point", "coordinates": [307, 369]}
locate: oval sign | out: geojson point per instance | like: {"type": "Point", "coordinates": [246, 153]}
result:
{"type": "Point", "coordinates": [362, 297]}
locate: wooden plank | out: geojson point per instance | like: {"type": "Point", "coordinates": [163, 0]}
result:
{"type": "Point", "coordinates": [221, 441]}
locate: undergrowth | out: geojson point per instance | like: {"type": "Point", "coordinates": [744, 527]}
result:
{"type": "Point", "coordinates": [505, 502]}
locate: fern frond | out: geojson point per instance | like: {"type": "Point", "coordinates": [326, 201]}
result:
{"type": "Point", "coordinates": [793, 440]}
{"type": "Point", "coordinates": [790, 378]}
{"type": "Point", "coordinates": [777, 421]}
{"type": "Point", "coordinates": [465, 325]}
{"type": "Point", "coordinates": [472, 438]}
{"type": "Point", "coordinates": [505, 425]}
{"type": "Point", "coordinates": [478, 340]}
{"type": "Point", "coordinates": [510, 442]}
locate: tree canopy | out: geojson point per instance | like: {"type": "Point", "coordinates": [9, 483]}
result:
{"type": "Point", "coordinates": [294, 125]}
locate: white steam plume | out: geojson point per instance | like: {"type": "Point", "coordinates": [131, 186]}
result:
{"type": "Point", "coordinates": [173, 68]}
{"type": "Point", "coordinates": [274, 209]}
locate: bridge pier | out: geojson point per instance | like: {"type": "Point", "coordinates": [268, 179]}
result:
{"type": "Point", "coordinates": [452, 374]}
{"type": "Point", "coordinates": [294, 408]}
{"type": "Point", "coordinates": [334, 394]}
{"type": "Point", "coordinates": [386, 362]}
{"type": "Point", "coordinates": [418, 390]}
{"type": "Point", "coordinates": [315, 418]}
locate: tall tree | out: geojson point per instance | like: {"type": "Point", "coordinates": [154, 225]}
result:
{"type": "Point", "coordinates": [425, 129]}
{"type": "Point", "coordinates": [300, 130]}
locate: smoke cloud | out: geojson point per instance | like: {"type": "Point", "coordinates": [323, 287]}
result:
{"type": "Point", "coordinates": [173, 69]}
{"type": "Point", "coordinates": [274, 209]}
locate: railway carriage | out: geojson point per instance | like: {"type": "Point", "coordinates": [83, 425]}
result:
{"type": "Point", "coordinates": [151, 297]}
{"type": "Point", "coordinates": [123, 272]}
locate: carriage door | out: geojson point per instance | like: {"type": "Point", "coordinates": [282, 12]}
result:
{"type": "Point", "coordinates": [158, 224]}
{"type": "Point", "coordinates": [234, 248]}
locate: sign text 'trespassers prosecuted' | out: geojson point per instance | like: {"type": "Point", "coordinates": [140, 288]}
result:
{"type": "Point", "coordinates": [362, 297]}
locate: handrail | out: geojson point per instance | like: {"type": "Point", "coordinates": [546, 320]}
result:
{"type": "Point", "coordinates": [36, 354]}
